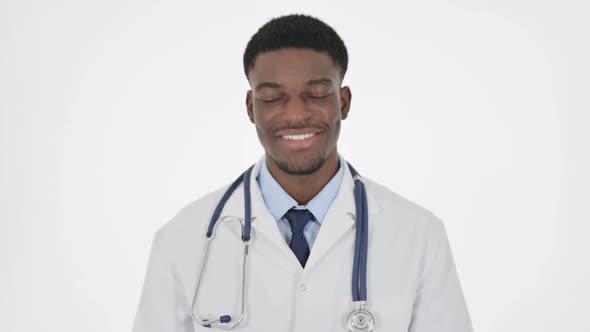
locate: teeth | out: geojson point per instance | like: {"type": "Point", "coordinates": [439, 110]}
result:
{"type": "Point", "coordinates": [298, 137]}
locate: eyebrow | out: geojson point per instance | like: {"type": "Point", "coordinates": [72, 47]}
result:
{"type": "Point", "coordinates": [321, 81]}
{"type": "Point", "coordinates": [273, 85]}
{"type": "Point", "coordinates": [267, 85]}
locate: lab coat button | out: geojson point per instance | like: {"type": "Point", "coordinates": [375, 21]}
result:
{"type": "Point", "coordinates": [302, 287]}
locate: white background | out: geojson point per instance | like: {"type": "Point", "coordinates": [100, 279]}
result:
{"type": "Point", "coordinates": [114, 115]}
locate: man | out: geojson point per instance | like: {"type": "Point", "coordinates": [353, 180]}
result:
{"type": "Point", "coordinates": [300, 256]}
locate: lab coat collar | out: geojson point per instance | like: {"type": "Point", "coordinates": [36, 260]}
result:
{"type": "Point", "coordinates": [339, 219]}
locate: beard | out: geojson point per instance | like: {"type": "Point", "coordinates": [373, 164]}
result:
{"type": "Point", "coordinates": [308, 167]}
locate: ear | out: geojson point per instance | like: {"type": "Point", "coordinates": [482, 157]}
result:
{"type": "Point", "coordinates": [345, 97]}
{"type": "Point", "coordinates": [250, 105]}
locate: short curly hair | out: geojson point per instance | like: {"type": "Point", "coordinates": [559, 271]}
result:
{"type": "Point", "coordinates": [297, 31]}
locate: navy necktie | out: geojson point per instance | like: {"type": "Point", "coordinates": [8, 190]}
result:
{"type": "Point", "coordinates": [298, 219]}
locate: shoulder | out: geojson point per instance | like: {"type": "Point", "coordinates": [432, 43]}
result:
{"type": "Point", "coordinates": [405, 227]}
{"type": "Point", "coordinates": [180, 240]}
{"type": "Point", "coordinates": [192, 219]}
{"type": "Point", "coordinates": [401, 211]}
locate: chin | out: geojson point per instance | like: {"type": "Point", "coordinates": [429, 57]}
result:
{"type": "Point", "coordinates": [306, 166]}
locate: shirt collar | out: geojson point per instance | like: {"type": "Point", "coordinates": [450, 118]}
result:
{"type": "Point", "coordinates": [278, 201]}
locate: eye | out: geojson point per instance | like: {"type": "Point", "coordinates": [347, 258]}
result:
{"type": "Point", "coordinates": [271, 100]}
{"type": "Point", "coordinates": [318, 96]}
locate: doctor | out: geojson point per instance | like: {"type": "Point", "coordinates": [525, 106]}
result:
{"type": "Point", "coordinates": [303, 249]}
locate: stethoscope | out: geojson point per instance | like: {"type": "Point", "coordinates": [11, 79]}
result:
{"type": "Point", "coordinates": [359, 320]}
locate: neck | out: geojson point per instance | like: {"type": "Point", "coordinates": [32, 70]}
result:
{"type": "Point", "coordinates": [304, 187]}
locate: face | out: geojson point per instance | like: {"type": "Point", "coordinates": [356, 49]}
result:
{"type": "Point", "coordinates": [297, 104]}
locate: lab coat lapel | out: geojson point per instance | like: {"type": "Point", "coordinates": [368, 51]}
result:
{"type": "Point", "coordinates": [340, 219]}
{"type": "Point", "coordinates": [270, 241]}
{"type": "Point", "coordinates": [266, 240]}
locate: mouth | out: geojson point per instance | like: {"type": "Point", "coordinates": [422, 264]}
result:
{"type": "Point", "coordinates": [299, 137]}
{"type": "Point", "coordinates": [298, 140]}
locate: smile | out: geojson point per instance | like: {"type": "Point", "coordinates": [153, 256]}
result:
{"type": "Point", "coordinates": [297, 141]}
{"type": "Point", "coordinates": [298, 137]}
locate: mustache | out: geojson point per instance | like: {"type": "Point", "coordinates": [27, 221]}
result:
{"type": "Point", "coordinates": [322, 126]}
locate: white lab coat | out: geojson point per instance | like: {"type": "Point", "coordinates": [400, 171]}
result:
{"type": "Point", "coordinates": [411, 277]}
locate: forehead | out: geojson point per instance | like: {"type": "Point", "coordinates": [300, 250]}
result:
{"type": "Point", "coordinates": [293, 65]}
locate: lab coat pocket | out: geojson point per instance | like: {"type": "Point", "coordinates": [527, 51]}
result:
{"type": "Point", "coordinates": [392, 313]}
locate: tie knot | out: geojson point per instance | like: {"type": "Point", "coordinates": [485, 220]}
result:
{"type": "Point", "coordinates": [298, 219]}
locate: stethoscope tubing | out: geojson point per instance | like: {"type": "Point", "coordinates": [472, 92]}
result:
{"type": "Point", "coordinates": [359, 269]}
{"type": "Point", "coordinates": [225, 198]}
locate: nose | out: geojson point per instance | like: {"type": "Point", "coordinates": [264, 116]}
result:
{"type": "Point", "coordinates": [297, 111]}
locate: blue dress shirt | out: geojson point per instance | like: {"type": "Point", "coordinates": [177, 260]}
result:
{"type": "Point", "coordinates": [278, 202]}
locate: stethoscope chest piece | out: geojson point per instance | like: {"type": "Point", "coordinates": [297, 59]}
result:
{"type": "Point", "coordinates": [360, 320]}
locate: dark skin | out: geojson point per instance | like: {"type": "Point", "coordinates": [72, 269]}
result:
{"type": "Point", "coordinates": [297, 104]}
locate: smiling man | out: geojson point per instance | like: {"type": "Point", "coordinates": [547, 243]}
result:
{"type": "Point", "coordinates": [297, 103]}
{"type": "Point", "coordinates": [301, 241]}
